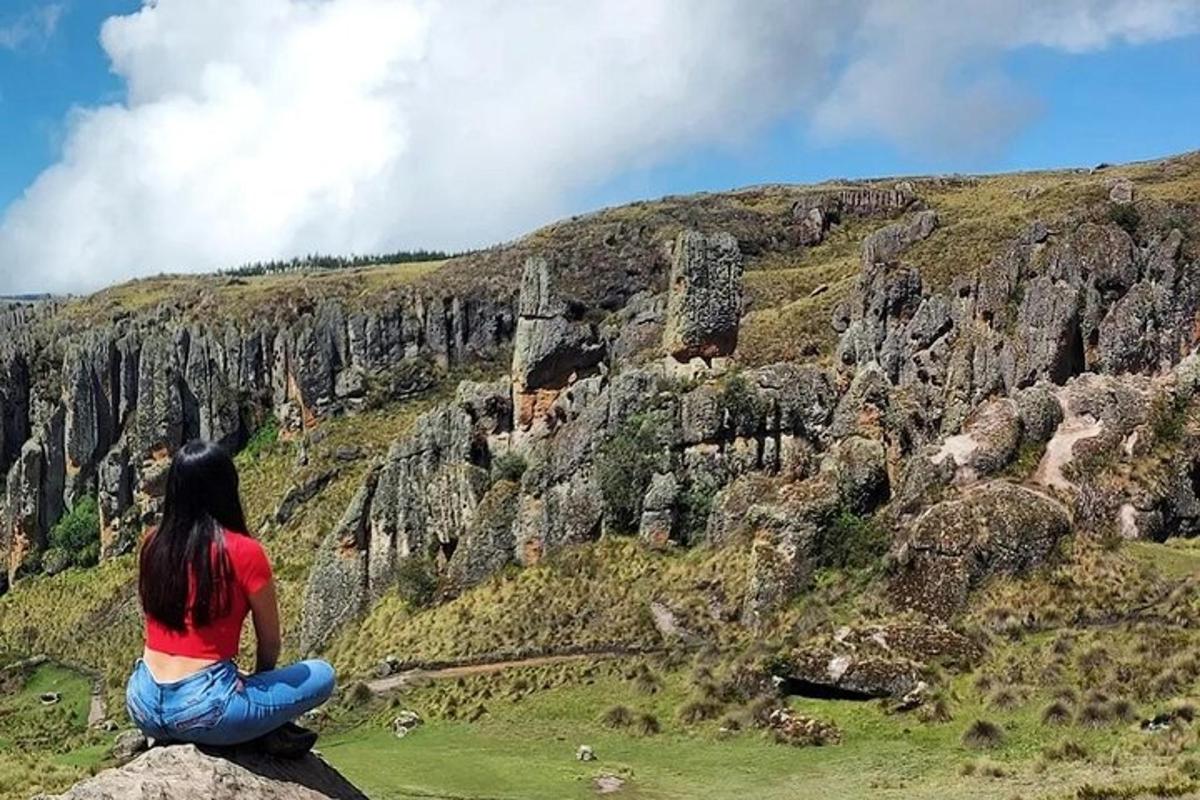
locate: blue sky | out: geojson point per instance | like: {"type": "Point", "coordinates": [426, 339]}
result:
{"type": "Point", "coordinates": [457, 162]}
{"type": "Point", "coordinates": [41, 79]}
{"type": "Point", "coordinates": [1123, 104]}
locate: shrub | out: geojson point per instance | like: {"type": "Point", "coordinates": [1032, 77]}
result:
{"type": "Point", "coordinates": [1068, 750]}
{"type": "Point", "coordinates": [936, 710]}
{"type": "Point", "coordinates": [983, 767]}
{"type": "Point", "coordinates": [1005, 698]}
{"type": "Point", "coordinates": [743, 407]}
{"type": "Point", "coordinates": [617, 717]}
{"type": "Point", "coordinates": [263, 439]}
{"type": "Point", "coordinates": [416, 581]}
{"type": "Point", "coordinates": [1057, 713]}
{"type": "Point", "coordinates": [983, 734]}
{"type": "Point", "coordinates": [1168, 417]}
{"type": "Point", "coordinates": [1167, 684]}
{"type": "Point", "coordinates": [695, 505]}
{"type": "Point", "coordinates": [358, 694]}
{"type": "Point", "coordinates": [1123, 710]}
{"type": "Point", "coordinates": [699, 711]}
{"type": "Point", "coordinates": [509, 467]}
{"type": "Point", "coordinates": [1094, 715]}
{"type": "Point", "coordinates": [855, 542]}
{"type": "Point", "coordinates": [645, 681]}
{"type": "Point", "coordinates": [78, 533]}
{"type": "Point", "coordinates": [624, 467]}
{"type": "Point", "coordinates": [1126, 216]}
{"type": "Point", "coordinates": [647, 725]}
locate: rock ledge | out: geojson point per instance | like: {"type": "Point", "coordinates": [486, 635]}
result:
{"type": "Point", "coordinates": [186, 772]}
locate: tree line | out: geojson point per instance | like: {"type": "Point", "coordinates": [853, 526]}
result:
{"type": "Point", "coordinates": [319, 261]}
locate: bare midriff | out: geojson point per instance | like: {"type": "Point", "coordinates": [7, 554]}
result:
{"type": "Point", "coordinates": [167, 668]}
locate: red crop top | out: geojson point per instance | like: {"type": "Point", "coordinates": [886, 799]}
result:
{"type": "Point", "coordinates": [219, 638]}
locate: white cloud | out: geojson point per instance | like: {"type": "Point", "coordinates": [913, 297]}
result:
{"type": "Point", "coordinates": [265, 128]}
{"type": "Point", "coordinates": [32, 27]}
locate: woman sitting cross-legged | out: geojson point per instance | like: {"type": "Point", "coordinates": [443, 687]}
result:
{"type": "Point", "coordinates": [199, 575]}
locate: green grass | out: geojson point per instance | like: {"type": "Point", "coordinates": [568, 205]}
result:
{"type": "Point", "coordinates": [47, 747]}
{"type": "Point", "coordinates": [525, 749]}
{"type": "Point", "coordinates": [242, 298]}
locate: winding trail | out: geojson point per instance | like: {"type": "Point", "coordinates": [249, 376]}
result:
{"type": "Point", "coordinates": [407, 677]}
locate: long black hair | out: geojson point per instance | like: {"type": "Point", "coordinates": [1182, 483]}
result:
{"type": "Point", "coordinates": [183, 566]}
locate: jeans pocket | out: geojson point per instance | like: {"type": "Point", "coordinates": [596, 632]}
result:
{"type": "Point", "coordinates": [197, 716]}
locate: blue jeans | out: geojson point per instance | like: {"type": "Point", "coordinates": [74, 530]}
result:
{"type": "Point", "coordinates": [217, 706]}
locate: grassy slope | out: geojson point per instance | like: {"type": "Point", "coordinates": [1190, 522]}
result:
{"type": "Point", "coordinates": [598, 595]}
{"type": "Point", "coordinates": [240, 298]}
{"type": "Point", "coordinates": [45, 747]}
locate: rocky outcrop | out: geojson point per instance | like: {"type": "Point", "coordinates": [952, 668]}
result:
{"type": "Point", "coordinates": [552, 347]}
{"type": "Point", "coordinates": [873, 661]}
{"type": "Point", "coordinates": [704, 304]}
{"type": "Point", "coordinates": [436, 496]}
{"type": "Point", "coordinates": [952, 548]}
{"type": "Point", "coordinates": [1055, 305]}
{"type": "Point", "coordinates": [100, 410]}
{"type": "Point", "coordinates": [187, 772]}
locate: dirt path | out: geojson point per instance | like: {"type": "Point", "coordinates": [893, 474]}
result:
{"type": "Point", "coordinates": [95, 710]}
{"type": "Point", "coordinates": [402, 679]}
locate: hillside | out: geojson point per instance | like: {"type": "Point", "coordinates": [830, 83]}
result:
{"type": "Point", "coordinates": [887, 484]}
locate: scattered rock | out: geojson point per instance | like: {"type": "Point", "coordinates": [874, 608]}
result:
{"type": "Point", "coordinates": [128, 744]}
{"type": "Point", "coordinates": [913, 699]}
{"type": "Point", "coordinates": [607, 784]}
{"type": "Point", "coordinates": [585, 753]}
{"type": "Point", "coordinates": [798, 730]}
{"type": "Point", "coordinates": [1121, 191]}
{"type": "Point", "coordinates": [405, 723]}
{"type": "Point", "coordinates": [388, 666]}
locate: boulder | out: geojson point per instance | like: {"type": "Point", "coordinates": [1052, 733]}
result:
{"type": "Point", "coordinates": [860, 466]}
{"type": "Point", "coordinates": [786, 545]}
{"type": "Point", "coordinates": [548, 351]}
{"type": "Point", "coordinates": [187, 772]}
{"type": "Point", "coordinates": [704, 306]}
{"type": "Point", "coordinates": [405, 723]}
{"type": "Point", "coordinates": [877, 660]}
{"type": "Point", "coordinates": [1121, 191]}
{"type": "Point", "coordinates": [994, 529]}
{"type": "Point", "coordinates": [658, 509]}
{"type": "Point", "coordinates": [886, 244]}
{"type": "Point", "coordinates": [300, 493]}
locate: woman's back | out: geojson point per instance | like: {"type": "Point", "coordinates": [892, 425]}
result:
{"type": "Point", "coordinates": [199, 575]}
{"type": "Point", "coordinates": [248, 572]}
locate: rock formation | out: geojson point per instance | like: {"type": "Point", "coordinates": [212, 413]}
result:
{"type": "Point", "coordinates": [98, 411]}
{"type": "Point", "coordinates": [186, 772]}
{"type": "Point", "coordinates": [704, 307]}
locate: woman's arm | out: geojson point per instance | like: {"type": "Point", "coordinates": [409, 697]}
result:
{"type": "Point", "coordinates": [265, 609]}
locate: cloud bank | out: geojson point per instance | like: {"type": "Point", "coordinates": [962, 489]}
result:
{"type": "Point", "coordinates": [256, 129]}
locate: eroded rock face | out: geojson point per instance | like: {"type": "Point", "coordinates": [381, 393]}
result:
{"type": "Point", "coordinates": [105, 407]}
{"type": "Point", "coordinates": [185, 772]}
{"type": "Point", "coordinates": [952, 548]}
{"type": "Point", "coordinates": [1056, 304]}
{"type": "Point", "coordinates": [552, 348]}
{"type": "Point", "coordinates": [704, 302]}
